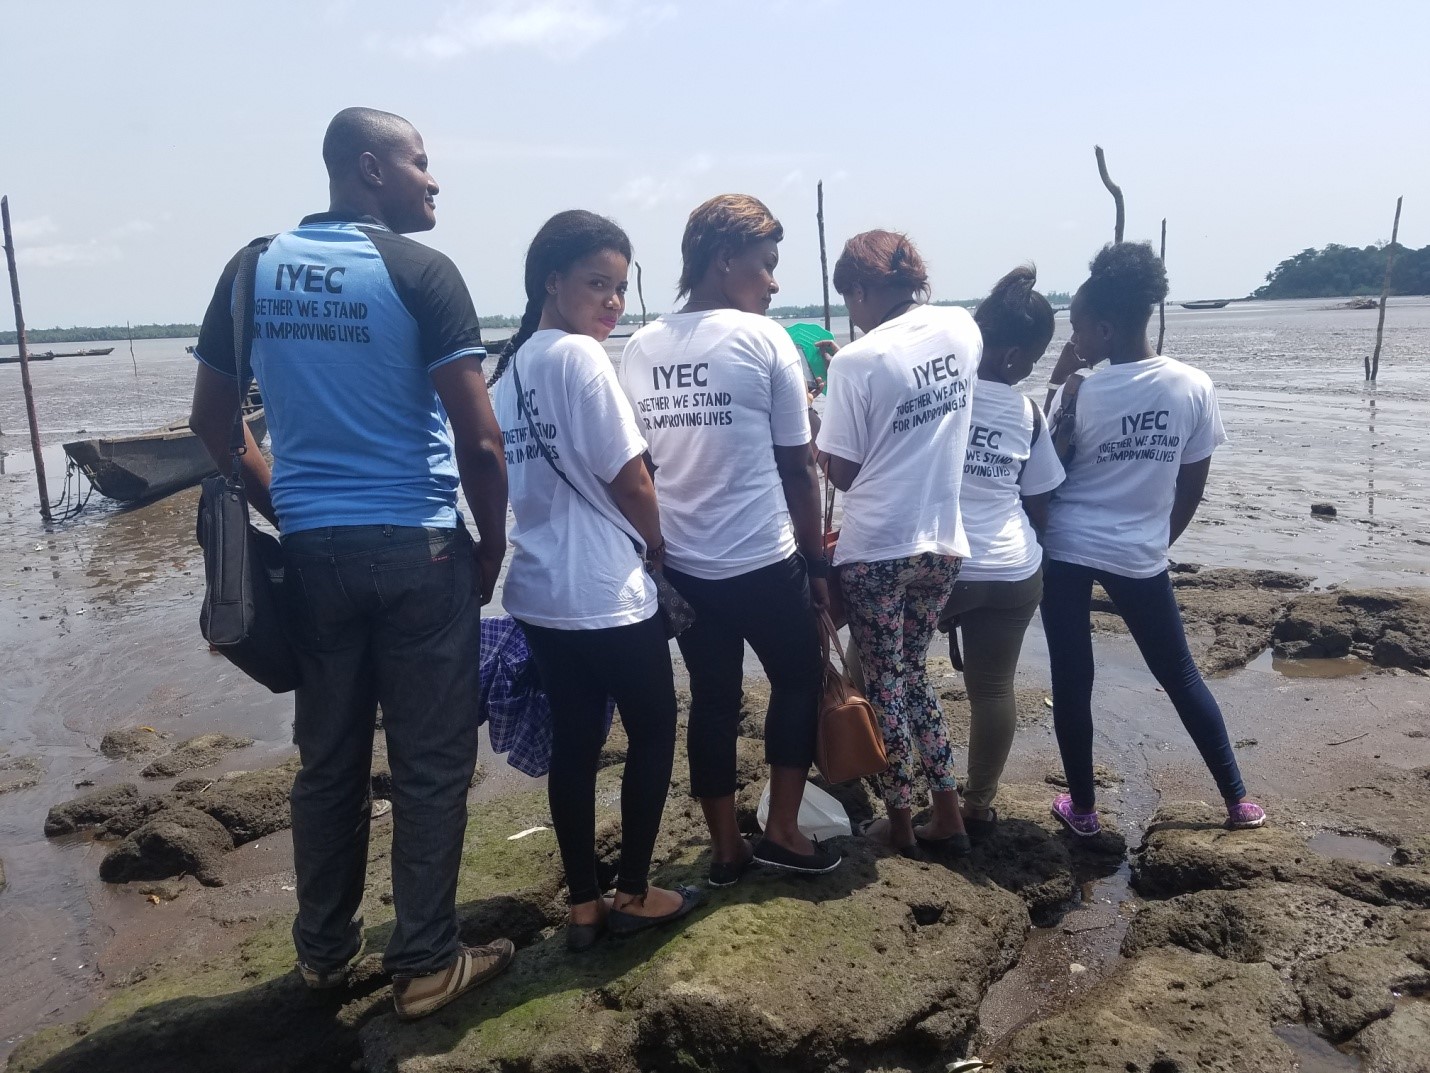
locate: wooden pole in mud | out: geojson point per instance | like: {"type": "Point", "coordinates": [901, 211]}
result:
{"type": "Point", "coordinates": [1114, 190]}
{"type": "Point", "coordinates": [1373, 370]}
{"type": "Point", "coordinates": [25, 363]}
{"type": "Point", "coordinates": [823, 255]}
{"type": "Point", "coordinates": [640, 293]}
{"type": "Point", "coordinates": [1162, 306]}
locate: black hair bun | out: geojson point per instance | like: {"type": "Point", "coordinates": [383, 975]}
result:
{"type": "Point", "coordinates": [1127, 279]}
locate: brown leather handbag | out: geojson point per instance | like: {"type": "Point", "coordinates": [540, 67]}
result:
{"type": "Point", "coordinates": [849, 744]}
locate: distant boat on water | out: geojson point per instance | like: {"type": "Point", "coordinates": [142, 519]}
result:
{"type": "Point", "coordinates": [153, 464]}
{"type": "Point", "coordinates": [1207, 303]}
{"type": "Point", "coordinates": [51, 355]}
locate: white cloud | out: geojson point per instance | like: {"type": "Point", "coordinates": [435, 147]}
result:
{"type": "Point", "coordinates": [560, 28]}
{"type": "Point", "coordinates": [648, 191]}
{"type": "Point", "coordinates": [130, 229]}
{"type": "Point", "coordinates": [27, 230]}
{"type": "Point", "coordinates": [67, 254]}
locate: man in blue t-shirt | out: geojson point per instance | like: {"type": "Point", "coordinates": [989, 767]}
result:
{"type": "Point", "coordinates": [366, 345]}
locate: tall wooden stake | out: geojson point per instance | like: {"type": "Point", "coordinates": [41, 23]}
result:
{"type": "Point", "coordinates": [1162, 306]}
{"type": "Point", "coordinates": [640, 293]}
{"type": "Point", "coordinates": [1114, 190]}
{"type": "Point", "coordinates": [1374, 370]}
{"type": "Point", "coordinates": [823, 255]}
{"type": "Point", "coordinates": [25, 363]}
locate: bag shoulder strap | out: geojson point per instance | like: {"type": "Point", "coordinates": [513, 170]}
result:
{"type": "Point", "coordinates": [244, 283]}
{"type": "Point", "coordinates": [547, 454]}
{"type": "Point", "coordinates": [1036, 435]}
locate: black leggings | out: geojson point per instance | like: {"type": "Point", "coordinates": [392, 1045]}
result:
{"type": "Point", "coordinates": [579, 670]}
{"type": "Point", "coordinates": [769, 608]}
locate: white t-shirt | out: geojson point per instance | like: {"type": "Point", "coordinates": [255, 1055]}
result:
{"type": "Point", "coordinates": [715, 392]}
{"type": "Point", "coordinates": [899, 406]}
{"type": "Point", "coordinates": [1003, 463]}
{"type": "Point", "coordinates": [1136, 425]}
{"type": "Point", "coordinates": [574, 566]}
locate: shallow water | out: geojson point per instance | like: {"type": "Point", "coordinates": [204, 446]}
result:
{"type": "Point", "coordinates": [1351, 847]}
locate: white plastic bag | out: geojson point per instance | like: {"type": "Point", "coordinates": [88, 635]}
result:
{"type": "Point", "coordinates": [820, 815]}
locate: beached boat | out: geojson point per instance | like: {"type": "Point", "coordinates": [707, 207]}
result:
{"type": "Point", "coordinates": [1208, 303]}
{"type": "Point", "coordinates": [50, 355]}
{"type": "Point", "coordinates": [151, 464]}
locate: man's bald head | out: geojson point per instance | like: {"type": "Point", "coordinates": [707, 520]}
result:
{"type": "Point", "coordinates": [355, 131]}
{"type": "Point", "coordinates": [377, 166]}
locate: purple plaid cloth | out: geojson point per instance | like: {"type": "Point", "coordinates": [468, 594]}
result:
{"type": "Point", "coordinates": [511, 701]}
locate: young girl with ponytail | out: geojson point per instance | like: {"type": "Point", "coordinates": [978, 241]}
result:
{"type": "Point", "coordinates": [895, 429]}
{"type": "Point", "coordinates": [1009, 473]}
{"type": "Point", "coordinates": [586, 538]}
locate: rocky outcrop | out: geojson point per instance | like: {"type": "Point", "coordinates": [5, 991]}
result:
{"type": "Point", "coordinates": [19, 773]}
{"type": "Point", "coordinates": [1188, 849]}
{"type": "Point", "coordinates": [1169, 1012]}
{"type": "Point", "coordinates": [884, 959]}
{"type": "Point", "coordinates": [131, 743]}
{"type": "Point", "coordinates": [199, 752]}
{"type": "Point", "coordinates": [179, 841]}
{"type": "Point", "coordinates": [1391, 626]}
{"type": "Point", "coordinates": [90, 809]}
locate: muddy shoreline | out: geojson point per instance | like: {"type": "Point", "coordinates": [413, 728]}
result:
{"type": "Point", "coordinates": [1342, 761]}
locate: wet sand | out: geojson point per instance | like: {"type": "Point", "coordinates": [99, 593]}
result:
{"type": "Point", "coordinates": [99, 631]}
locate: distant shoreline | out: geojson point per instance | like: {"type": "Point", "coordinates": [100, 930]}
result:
{"type": "Point", "coordinates": [115, 333]}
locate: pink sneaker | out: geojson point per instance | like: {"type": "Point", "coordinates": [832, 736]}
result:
{"type": "Point", "coordinates": [1083, 824]}
{"type": "Point", "coordinates": [1245, 815]}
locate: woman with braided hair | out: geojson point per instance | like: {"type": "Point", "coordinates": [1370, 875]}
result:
{"type": "Point", "coordinates": [586, 539]}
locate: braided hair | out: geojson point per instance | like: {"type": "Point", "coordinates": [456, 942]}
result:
{"type": "Point", "coordinates": [562, 241]}
{"type": "Point", "coordinates": [1014, 314]}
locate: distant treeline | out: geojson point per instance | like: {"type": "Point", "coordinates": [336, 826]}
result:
{"type": "Point", "coordinates": [1338, 270]}
{"type": "Point", "coordinates": [107, 331]}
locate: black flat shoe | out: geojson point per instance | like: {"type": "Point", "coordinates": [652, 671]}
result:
{"type": "Point", "coordinates": [728, 873]}
{"type": "Point", "coordinates": [980, 830]}
{"type": "Point", "coordinates": [584, 936]}
{"type": "Point", "coordinates": [810, 864]}
{"type": "Point", "coordinates": [956, 845]}
{"type": "Point", "coordinates": [619, 922]}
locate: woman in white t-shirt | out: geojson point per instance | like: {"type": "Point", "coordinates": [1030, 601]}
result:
{"type": "Point", "coordinates": [895, 429]}
{"type": "Point", "coordinates": [719, 390]}
{"type": "Point", "coordinates": [1138, 437]}
{"type": "Point", "coordinates": [587, 537]}
{"type": "Point", "coordinates": [1009, 473]}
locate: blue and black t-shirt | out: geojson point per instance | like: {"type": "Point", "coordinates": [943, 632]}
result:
{"type": "Point", "coordinates": [350, 319]}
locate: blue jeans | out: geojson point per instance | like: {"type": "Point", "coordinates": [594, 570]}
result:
{"type": "Point", "coordinates": [386, 615]}
{"type": "Point", "coordinates": [1150, 610]}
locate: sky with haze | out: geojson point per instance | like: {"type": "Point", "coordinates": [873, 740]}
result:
{"type": "Point", "coordinates": [142, 143]}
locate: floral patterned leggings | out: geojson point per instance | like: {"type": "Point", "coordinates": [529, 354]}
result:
{"type": "Point", "coordinates": [893, 608]}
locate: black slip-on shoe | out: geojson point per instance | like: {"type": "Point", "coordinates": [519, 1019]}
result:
{"type": "Point", "coordinates": [619, 922]}
{"type": "Point", "coordinates": [811, 864]}
{"type": "Point", "coordinates": [728, 873]}
{"type": "Point", "coordinates": [581, 937]}
{"type": "Point", "coordinates": [957, 845]}
{"type": "Point", "coordinates": [980, 830]}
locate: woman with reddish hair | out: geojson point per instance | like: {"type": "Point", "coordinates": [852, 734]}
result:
{"type": "Point", "coordinates": [719, 389]}
{"type": "Point", "coordinates": [895, 430]}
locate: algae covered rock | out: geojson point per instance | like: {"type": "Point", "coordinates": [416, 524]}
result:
{"type": "Point", "coordinates": [197, 752]}
{"type": "Point", "coordinates": [131, 743]}
{"type": "Point", "coordinates": [180, 841]}
{"type": "Point", "coordinates": [1347, 990]}
{"type": "Point", "coordinates": [883, 957]}
{"type": "Point", "coordinates": [1283, 925]}
{"type": "Point", "coordinates": [1395, 623]}
{"type": "Point", "coordinates": [89, 809]}
{"type": "Point", "coordinates": [1170, 1012]}
{"type": "Point", "coordinates": [250, 804]}
{"type": "Point", "coordinates": [1188, 848]}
